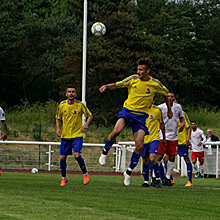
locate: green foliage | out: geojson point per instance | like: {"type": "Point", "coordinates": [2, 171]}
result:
{"type": "Point", "coordinates": [41, 50]}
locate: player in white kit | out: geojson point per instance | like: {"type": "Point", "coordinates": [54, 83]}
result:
{"type": "Point", "coordinates": [171, 133]}
{"type": "Point", "coordinates": [2, 119]}
{"type": "Point", "coordinates": [197, 140]}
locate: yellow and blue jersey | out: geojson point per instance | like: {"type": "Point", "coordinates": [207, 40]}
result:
{"type": "Point", "coordinates": [71, 116]}
{"type": "Point", "coordinates": [141, 93]}
{"type": "Point", "coordinates": [182, 136]}
{"type": "Point", "coordinates": [153, 124]}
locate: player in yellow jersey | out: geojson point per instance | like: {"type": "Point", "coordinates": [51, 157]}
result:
{"type": "Point", "coordinates": [70, 113]}
{"type": "Point", "coordinates": [141, 91]}
{"type": "Point", "coordinates": [151, 142]}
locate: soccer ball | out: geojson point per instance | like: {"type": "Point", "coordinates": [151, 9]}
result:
{"type": "Point", "coordinates": [98, 29]}
{"type": "Point", "coordinates": [34, 170]}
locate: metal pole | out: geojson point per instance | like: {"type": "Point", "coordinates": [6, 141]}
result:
{"type": "Point", "coordinates": [84, 55]}
{"type": "Point", "coordinates": [217, 161]}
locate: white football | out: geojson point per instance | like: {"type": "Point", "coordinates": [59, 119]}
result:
{"type": "Point", "coordinates": [34, 170]}
{"type": "Point", "coordinates": [98, 29]}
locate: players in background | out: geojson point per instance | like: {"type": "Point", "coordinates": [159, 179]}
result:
{"type": "Point", "coordinates": [184, 145]}
{"type": "Point", "coordinates": [70, 112]}
{"type": "Point", "coordinates": [171, 133]}
{"type": "Point", "coordinates": [141, 91]}
{"type": "Point", "coordinates": [197, 140]}
{"type": "Point", "coordinates": [2, 119]}
{"type": "Point", "coordinates": [151, 142]}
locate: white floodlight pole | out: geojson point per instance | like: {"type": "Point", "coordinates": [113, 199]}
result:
{"type": "Point", "coordinates": [84, 55]}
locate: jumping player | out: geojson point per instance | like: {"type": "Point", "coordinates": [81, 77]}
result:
{"type": "Point", "coordinates": [141, 91]}
{"type": "Point", "coordinates": [70, 112]}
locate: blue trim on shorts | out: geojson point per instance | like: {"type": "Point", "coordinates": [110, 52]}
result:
{"type": "Point", "coordinates": [71, 144]}
{"type": "Point", "coordinates": [135, 121]}
{"type": "Point", "coordinates": [182, 150]}
{"type": "Point", "coordinates": [150, 148]}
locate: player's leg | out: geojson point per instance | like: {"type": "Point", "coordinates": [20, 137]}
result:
{"type": "Point", "coordinates": [162, 149]}
{"type": "Point", "coordinates": [201, 162]}
{"type": "Point", "coordinates": [139, 140]}
{"type": "Point", "coordinates": [153, 149]}
{"type": "Point", "coordinates": [194, 162]}
{"type": "Point", "coordinates": [77, 147]}
{"type": "Point", "coordinates": [184, 152]}
{"type": "Point", "coordinates": [120, 124]}
{"type": "Point", "coordinates": [172, 151]}
{"type": "Point", "coordinates": [146, 172]}
{"type": "Point", "coordinates": [65, 149]}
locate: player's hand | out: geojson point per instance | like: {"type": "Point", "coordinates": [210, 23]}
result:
{"type": "Point", "coordinates": [181, 128]}
{"type": "Point", "coordinates": [199, 144]}
{"type": "Point", "coordinates": [189, 146]}
{"type": "Point", "coordinates": [85, 128]}
{"type": "Point", "coordinates": [102, 89]}
{"type": "Point", "coordinates": [170, 113]}
{"type": "Point", "coordinates": [58, 133]}
{"type": "Point", "coordinates": [187, 142]}
{"type": "Point", "coordinates": [3, 137]}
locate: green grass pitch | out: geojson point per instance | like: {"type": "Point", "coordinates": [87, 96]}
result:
{"type": "Point", "coordinates": [39, 196]}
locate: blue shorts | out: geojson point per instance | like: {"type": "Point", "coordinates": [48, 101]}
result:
{"type": "Point", "coordinates": [182, 150]}
{"type": "Point", "coordinates": [136, 121]}
{"type": "Point", "coordinates": [150, 148]}
{"type": "Point", "coordinates": [69, 144]}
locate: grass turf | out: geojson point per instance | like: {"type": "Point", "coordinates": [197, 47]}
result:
{"type": "Point", "coordinates": [39, 196]}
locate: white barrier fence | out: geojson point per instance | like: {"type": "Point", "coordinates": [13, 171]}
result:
{"type": "Point", "coordinates": [117, 160]}
{"type": "Point", "coordinates": [212, 158]}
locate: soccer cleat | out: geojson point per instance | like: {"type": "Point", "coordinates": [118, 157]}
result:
{"type": "Point", "coordinates": [63, 182]}
{"type": "Point", "coordinates": [145, 185]}
{"type": "Point", "coordinates": [158, 184]}
{"type": "Point", "coordinates": [197, 175]}
{"type": "Point", "coordinates": [102, 159]}
{"type": "Point", "coordinates": [167, 182]}
{"type": "Point", "coordinates": [126, 179]}
{"type": "Point", "coordinates": [172, 181]}
{"type": "Point", "coordinates": [86, 179]}
{"type": "Point", "coordinates": [154, 182]}
{"type": "Point", "coordinates": [189, 184]}
{"type": "Point", "coordinates": [202, 177]}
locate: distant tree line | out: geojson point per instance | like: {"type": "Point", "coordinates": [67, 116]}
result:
{"type": "Point", "coordinates": [41, 49]}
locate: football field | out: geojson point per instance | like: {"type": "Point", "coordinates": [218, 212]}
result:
{"type": "Point", "coordinates": [39, 196]}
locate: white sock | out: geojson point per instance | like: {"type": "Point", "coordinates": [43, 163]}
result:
{"type": "Point", "coordinates": [202, 169]}
{"type": "Point", "coordinates": [195, 167]}
{"type": "Point", "coordinates": [170, 167]}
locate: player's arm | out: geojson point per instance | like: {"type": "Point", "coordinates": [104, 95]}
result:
{"type": "Point", "coordinates": [182, 125]}
{"type": "Point", "coordinates": [162, 128]}
{"type": "Point", "coordinates": [169, 111]}
{"type": "Point", "coordinates": [203, 139]}
{"type": "Point", "coordinates": [110, 86]}
{"type": "Point", "coordinates": [188, 136]}
{"type": "Point", "coordinates": [4, 136]}
{"type": "Point", "coordinates": [58, 122]}
{"type": "Point", "coordinates": [86, 125]}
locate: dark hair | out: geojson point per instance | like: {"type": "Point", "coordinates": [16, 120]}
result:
{"type": "Point", "coordinates": [172, 93]}
{"type": "Point", "coordinates": [70, 86]}
{"type": "Point", "coordinates": [145, 61]}
{"type": "Point", "coordinates": [193, 122]}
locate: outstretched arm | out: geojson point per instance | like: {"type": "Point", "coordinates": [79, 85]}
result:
{"type": "Point", "coordinates": [169, 112]}
{"type": "Point", "coordinates": [111, 86]}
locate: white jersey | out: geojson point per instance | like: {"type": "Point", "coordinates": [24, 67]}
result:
{"type": "Point", "coordinates": [171, 125]}
{"type": "Point", "coordinates": [2, 117]}
{"type": "Point", "coordinates": [197, 137]}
